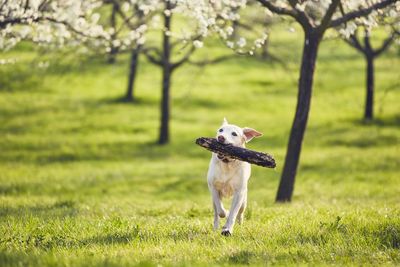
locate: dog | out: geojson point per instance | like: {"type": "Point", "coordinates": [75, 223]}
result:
{"type": "Point", "coordinates": [228, 177]}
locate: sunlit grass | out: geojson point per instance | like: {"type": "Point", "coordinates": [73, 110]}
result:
{"type": "Point", "coordinates": [83, 183]}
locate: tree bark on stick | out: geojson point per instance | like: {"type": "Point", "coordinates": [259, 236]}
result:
{"type": "Point", "coordinates": [239, 153]}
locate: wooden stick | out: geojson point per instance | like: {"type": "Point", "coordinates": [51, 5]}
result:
{"type": "Point", "coordinates": [239, 153]}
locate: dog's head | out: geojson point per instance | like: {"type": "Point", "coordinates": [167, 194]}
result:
{"type": "Point", "coordinates": [234, 135]}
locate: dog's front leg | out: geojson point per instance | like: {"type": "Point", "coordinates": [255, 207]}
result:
{"type": "Point", "coordinates": [240, 215]}
{"type": "Point", "coordinates": [222, 213]}
{"type": "Point", "coordinates": [216, 218]}
{"type": "Point", "coordinates": [237, 202]}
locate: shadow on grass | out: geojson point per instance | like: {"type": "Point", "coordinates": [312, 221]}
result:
{"type": "Point", "coordinates": [58, 209]}
{"type": "Point", "coordinates": [389, 235]}
{"type": "Point", "coordinates": [243, 257]}
{"type": "Point", "coordinates": [263, 83]}
{"type": "Point", "coordinates": [122, 100]}
{"type": "Point", "coordinates": [392, 121]}
{"type": "Point", "coordinates": [271, 87]}
{"type": "Point", "coordinates": [366, 141]}
{"type": "Point", "coordinates": [184, 185]}
{"type": "Point", "coordinates": [15, 189]}
{"type": "Point", "coordinates": [56, 152]}
{"type": "Point", "coordinates": [59, 150]}
{"type": "Point", "coordinates": [106, 152]}
{"type": "Point", "coordinates": [20, 78]}
{"type": "Point", "coordinates": [354, 165]}
{"type": "Point", "coordinates": [15, 258]}
{"type": "Point", "coordinates": [198, 102]}
{"type": "Point", "coordinates": [113, 238]}
{"type": "Point", "coordinates": [357, 133]}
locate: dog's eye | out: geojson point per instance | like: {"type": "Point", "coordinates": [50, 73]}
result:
{"type": "Point", "coordinates": [221, 130]}
{"type": "Point", "coordinates": [234, 133]}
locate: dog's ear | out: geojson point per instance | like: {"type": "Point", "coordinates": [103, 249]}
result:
{"type": "Point", "coordinates": [250, 133]}
{"type": "Point", "coordinates": [225, 121]}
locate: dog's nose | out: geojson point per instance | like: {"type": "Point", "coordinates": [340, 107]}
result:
{"type": "Point", "coordinates": [221, 139]}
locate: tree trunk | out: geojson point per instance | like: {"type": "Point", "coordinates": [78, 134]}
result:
{"type": "Point", "coordinates": [369, 100]}
{"type": "Point", "coordinates": [165, 106]}
{"type": "Point", "coordinates": [132, 74]}
{"type": "Point", "coordinates": [166, 79]}
{"type": "Point", "coordinates": [113, 52]}
{"type": "Point", "coordinates": [310, 50]}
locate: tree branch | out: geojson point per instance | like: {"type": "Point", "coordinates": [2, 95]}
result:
{"type": "Point", "coordinates": [367, 42]}
{"type": "Point", "coordinates": [157, 61]}
{"type": "Point", "coordinates": [354, 42]}
{"type": "Point", "coordinates": [12, 21]}
{"type": "Point", "coordinates": [385, 45]}
{"type": "Point", "coordinates": [360, 13]}
{"type": "Point", "coordinates": [212, 61]}
{"type": "Point", "coordinates": [278, 10]}
{"type": "Point", "coordinates": [300, 16]}
{"type": "Point", "coordinates": [184, 59]}
{"type": "Point", "coordinates": [3, 4]}
{"type": "Point", "coordinates": [190, 39]}
{"type": "Point", "coordinates": [69, 27]}
{"type": "Point", "coordinates": [126, 20]}
{"type": "Point", "coordinates": [43, 5]}
{"type": "Point", "coordinates": [328, 15]}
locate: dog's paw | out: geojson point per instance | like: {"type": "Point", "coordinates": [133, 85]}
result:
{"type": "Point", "coordinates": [226, 232]}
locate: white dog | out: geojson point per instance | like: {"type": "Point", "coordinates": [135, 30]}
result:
{"type": "Point", "coordinates": [227, 177]}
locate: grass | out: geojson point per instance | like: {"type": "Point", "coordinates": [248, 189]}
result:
{"type": "Point", "coordinates": [82, 182]}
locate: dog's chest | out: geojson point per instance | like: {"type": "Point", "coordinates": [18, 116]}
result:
{"type": "Point", "coordinates": [227, 179]}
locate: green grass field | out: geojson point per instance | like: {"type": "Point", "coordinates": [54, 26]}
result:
{"type": "Point", "coordinates": [82, 182]}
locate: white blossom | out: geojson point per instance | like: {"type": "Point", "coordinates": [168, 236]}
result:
{"type": "Point", "coordinates": [242, 42]}
{"type": "Point", "coordinates": [77, 21]}
{"type": "Point", "coordinates": [198, 44]}
{"type": "Point", "coordinates": [45, 22]}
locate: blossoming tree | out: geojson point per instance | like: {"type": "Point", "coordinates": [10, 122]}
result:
{"type": "Point", "coordinates": [48, 21]}
{"type": "Point", "coordinates": [130, 20]}
{"type": "Point", "coordinates": [168, 59]}
{"type": "Point", "coordinates": [390, 22]}
{"type": "Point", "coordinates": [139, 18]}
{"type": "Point", "coordinates": [315, 17]}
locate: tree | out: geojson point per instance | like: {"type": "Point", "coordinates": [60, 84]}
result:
{"type": "Point", "coordinates": [58, 22]}
{"type": "Point", "coordinates": [364, 46]}
{"type": "Point", "coordinates": [128, 33]}
{"type": "Point", "coordinates": [136, 19]}
{"type": "Point", "coordinates": [48, 21]}
{"type": "Point", "coordinates": [163, 58]}
{"type": "Point", "coordinates": [113, 51]}
{"type": "Point", "coordinates": [314, 17]}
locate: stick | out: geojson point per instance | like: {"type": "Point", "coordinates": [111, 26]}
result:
{"type": "Point", "coordinates": [239, 153]}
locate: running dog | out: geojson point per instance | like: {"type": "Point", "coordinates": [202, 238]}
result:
{"type": "Point", "coordinates": [228, 177]}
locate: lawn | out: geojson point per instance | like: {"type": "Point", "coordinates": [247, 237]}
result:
{"type": "Point", "coordinates": [82, 182]}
